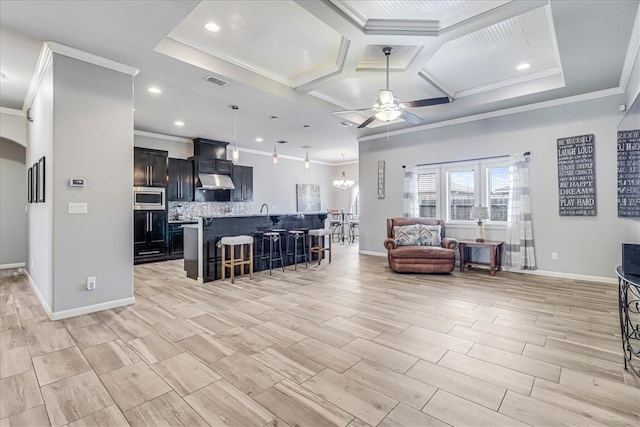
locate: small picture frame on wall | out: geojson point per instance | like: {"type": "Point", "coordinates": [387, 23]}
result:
{"type": "Point", "coordinates": [380, 179]}
{"type": "Point", "coordinates": [41, 180]}
{"type": "Point", "coordinates": [30, 185]}
{"type": "Point", "coordinates": [35, 181]}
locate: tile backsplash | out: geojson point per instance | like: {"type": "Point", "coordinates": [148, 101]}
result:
{"type": "Point", "coordinates": [189, 210]}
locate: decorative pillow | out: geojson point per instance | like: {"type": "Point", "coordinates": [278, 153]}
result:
{"type": "Point", "coordinates": [407, 235]}
{"type": "Point", "coordinates": [429, 235]}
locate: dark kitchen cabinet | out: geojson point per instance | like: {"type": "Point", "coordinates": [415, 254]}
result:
{"type": "Point", "coordinates": [149, 167]}
{"type": "Point", "coordinates": [176, 240]}
{"type": "Point", "coordinates": [180, 186]}
{"type": "Point", "coordinates": [242, 177]}
{"type": "Point", "coordinates": [222, 167]}
{"type": "Point", "coordinates": [149, 233]}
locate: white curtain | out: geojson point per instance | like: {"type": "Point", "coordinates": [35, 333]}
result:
{"type": "Point", "coordinates": [410, 194]}
{"type": "Point", "coordinates": [519, 250]}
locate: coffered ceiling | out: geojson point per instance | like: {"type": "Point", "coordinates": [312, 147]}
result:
{"type": "Point", "coordinates": [302, 60]}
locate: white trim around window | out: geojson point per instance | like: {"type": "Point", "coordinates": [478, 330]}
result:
{"type": "Point", "coordinates": [483, 179]}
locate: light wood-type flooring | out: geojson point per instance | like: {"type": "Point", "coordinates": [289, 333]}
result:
{"type": "Point", "coordinates": [348, 343]}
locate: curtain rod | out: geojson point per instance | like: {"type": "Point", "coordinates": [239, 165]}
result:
{"type": "Point", "coordinates": [526, 154]}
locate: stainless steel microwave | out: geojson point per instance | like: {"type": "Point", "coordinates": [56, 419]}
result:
{"type": "Point", "coordinates": [148, 198]}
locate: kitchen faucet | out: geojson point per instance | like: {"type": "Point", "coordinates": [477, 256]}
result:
{"type": "Point", "coordinates": [264, 205]}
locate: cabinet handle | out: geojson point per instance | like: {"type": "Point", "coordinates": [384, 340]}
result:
{"type": "Point", "coordinates": [148, 252]}
{"type": "Point", "coordinates": [147, 177]}
{"type": "Point", "coordinates": [147, 222]}
{"type": "Point", "coordinates": [150, 222]}
{"type": "Point", "coordinates": [150, 175]}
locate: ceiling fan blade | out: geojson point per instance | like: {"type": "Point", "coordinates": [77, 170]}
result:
{"type": "Point", "coordinates": [352, 111]}
{"type": "Point", "coordinates": [366, 122]}
{"type": "Point", "coordinates": [427, 102]}
{"type": "Point", "coordinates": [411, 118]}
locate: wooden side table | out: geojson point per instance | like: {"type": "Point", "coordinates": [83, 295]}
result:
{"type": "Point", "coordinates": [495, 254]}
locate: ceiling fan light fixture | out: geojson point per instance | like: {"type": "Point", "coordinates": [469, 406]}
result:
{"type": "Point", "coordinates": [388, 115]}
{"type": "Point", "coordinates": [386, 97]}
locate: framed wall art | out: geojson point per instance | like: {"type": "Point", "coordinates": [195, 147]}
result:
{"type": "Point", "coordinates": [307, 197]}
{"type": "Point", "coordinates": [381, 179]}
{"type": "Point", "coordinates": [41, 180]}
{"type": "Point", "coordinates": [30, 185]}
{"type": "Point", "coordinates": [35, 181]}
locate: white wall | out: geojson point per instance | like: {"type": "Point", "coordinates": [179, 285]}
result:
{"type": "Point", "coordinates": [13, 125]}
{"type": "Point", "coordinates": [13, 198]}
{"type": "Point", "coordinates": [587, 246]}
{"type": "Point", "coordinates": [39, 216]}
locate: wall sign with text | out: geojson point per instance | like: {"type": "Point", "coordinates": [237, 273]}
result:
{"type": "Point", "coordinates": [576, 176]}
{"type": "Point", "coordinates": [629, 173]}
{"type": "Point", "coordinates": [381, 179]}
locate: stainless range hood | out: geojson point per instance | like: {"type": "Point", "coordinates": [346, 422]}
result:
{"type": "Point", "coordinates": [214, 181]}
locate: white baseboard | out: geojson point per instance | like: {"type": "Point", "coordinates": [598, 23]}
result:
{"type": "Point", "coordinates": [64, 314]}
{"type": "Point", "coordinates": [43, 302]}
{"type": "Point", "coordinates": [572, 276]}
{"type": "Point", "coordinates": [557, 274]}
{"type": "Point", "coordinates": [14, 265]}
{"type": "Point", "coordinates": [383, 254]}
{"type": "Point", "coordinates": [58, 315]}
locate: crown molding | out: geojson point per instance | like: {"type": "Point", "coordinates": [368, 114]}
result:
{"type": "Point", "coordinates": [46, 54]}
{"type": "Point", "coordinates": [162, 136]}
{"type": "Point", "coordinates": [422, 27]}
{"type": "Point", "coordinates": [549, 72]}
{"type": "Point", "coordinates": [12, 112]}
{"type": "Point", "coordinates": [506, 112]}
{"type": "Point", "coordinates": [632, 53]}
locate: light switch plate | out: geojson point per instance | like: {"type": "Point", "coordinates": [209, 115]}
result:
{"type": "Point", "coordinates": [77, 208]}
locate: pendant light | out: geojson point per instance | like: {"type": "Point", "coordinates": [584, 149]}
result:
{"type": "Point", "coordinates": [343, 183]}
{"type": "Point", "coordinates": [274, 157]}
{"type": "Point", "coordinates": [307, 162]}
{"type": "Point", "coordinates": [235, 155]}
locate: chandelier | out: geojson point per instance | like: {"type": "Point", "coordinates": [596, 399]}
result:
{"type": "Point", "coordinates": [343, 183]}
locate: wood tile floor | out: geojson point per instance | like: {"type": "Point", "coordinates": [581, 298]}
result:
{"type": "Point", "coordinates": [348, 343]}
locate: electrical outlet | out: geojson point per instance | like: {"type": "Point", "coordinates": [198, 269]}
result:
{"type": "Point", "coordinates": [91, 283]}
{"type": "Point", "coordinates": [554, 256]}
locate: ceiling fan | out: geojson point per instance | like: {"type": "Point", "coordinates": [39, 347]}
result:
{"type": "Point", "coordinates": [388, 108]}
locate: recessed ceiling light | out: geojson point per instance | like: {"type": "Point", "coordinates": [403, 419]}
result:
{"type": "Point", "coordinates": [523, 66]}
{"type": "Point", "coordinates": [153, 89]}
{"type": "Point", "coordinates": [259, 139]}
{"type": "Point", "coordinates": [345, 124]}
{"type": "Point", "coordinates": [178, 123]}
{"type": "Point", "coordinates": [212, 27]}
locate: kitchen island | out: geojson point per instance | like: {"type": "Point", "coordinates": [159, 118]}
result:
{"type": "Point", "coordinates": [201, 251]}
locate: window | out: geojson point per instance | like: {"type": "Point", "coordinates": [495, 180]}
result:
{"type": "Point", "coordinates": [498, 188]}
{"type": "Point", "coordinates": [450, 190]}
{"type": "Point", "coordinates": [427, 194]}
{"type": "Point", "coordinates": [460, 195]}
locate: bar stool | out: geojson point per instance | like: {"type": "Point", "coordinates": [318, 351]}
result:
{"type": "Point", "coordinates": [297, 235]}
{"type": "Point", "coordinates": [319, 248]}
{"type": "Point", "coordinates": [232, 262]}
{"type": "Point", "coordinates": [272, 238]}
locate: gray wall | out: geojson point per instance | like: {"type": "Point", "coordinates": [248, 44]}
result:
{"type": "Point", "coordinates": [93, 134]}
{"type": "Point", "coordinates": [13, 218]}
{"type": "Point", "coordinates": [83, 125]}
{"type": "Point", "coordinates": [586, 246]}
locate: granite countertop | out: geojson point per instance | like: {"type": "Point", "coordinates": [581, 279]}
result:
{"type": "Point", "coordinates": [266, 215]}
{"type": "Point", "coordinates": [183, 221]}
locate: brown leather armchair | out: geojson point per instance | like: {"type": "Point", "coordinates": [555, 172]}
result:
{"type": "Point", "coordinates": [420, 259]}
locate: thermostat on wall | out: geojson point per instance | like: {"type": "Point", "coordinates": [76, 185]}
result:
{"type": "Point", "coordinates": [77, 182]}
